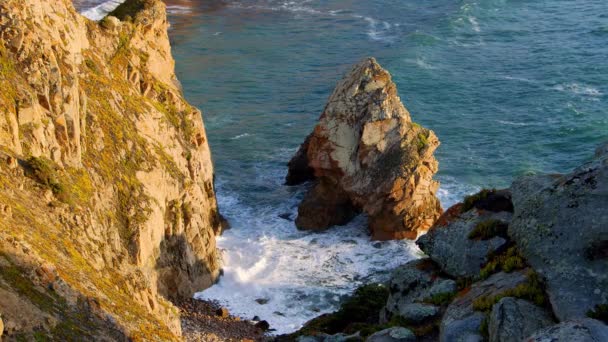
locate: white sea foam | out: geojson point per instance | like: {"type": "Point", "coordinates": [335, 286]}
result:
{"type": "Point", "coordinates": [512, 123]}
{"type": "Point", "coordinates": [100, 11]}
{"type": "Point", "coordinates": [578, 89]}
{"type": "Point", "coordinates": [240, 136]}
{"type": "Point", "coordinates": [178, 10]}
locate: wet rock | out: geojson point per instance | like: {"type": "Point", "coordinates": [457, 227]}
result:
{"type": "Point", "coordinates": [579, 330]}
{"type": "Point", "coordinates": [222, 312]}
{"type": "Point", "coordinates": [367, 155]}
{"type": "Point", "coordinates": [262, 301]}
{"type": "Point", "coordinates": [398, 334]}
{"type": "Point", "coordinates": [410, 286]}
{"type": "Point", "coordinates": [262, 325]}
{"type": "Point", "coordinates": [286, 216]}
{"type": "Point", "coordinates": [456, 253]}
{"type": "Point", "coordinates": [511, 320]}
{"type": "Point", "coordinates": [461, 322]}
{"type": "Point", "coordinates": [560, 227]}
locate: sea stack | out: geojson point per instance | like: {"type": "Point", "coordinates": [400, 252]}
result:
{"type": "Point", "coordinates": [366, 155]}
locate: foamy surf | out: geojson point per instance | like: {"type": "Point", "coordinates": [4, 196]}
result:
{"type": "Point", "coordinates": [100, 11]}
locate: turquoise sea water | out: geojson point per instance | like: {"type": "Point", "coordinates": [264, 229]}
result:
{"type": "Point", "coordinates": [509, 87]}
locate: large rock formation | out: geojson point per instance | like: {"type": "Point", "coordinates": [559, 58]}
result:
{"type": "Point", "coordinates": [561, 227]}
{"type": "Point", "coordinates": [367, 155]}
{"type": "Point", "coordinates": [107, 201]}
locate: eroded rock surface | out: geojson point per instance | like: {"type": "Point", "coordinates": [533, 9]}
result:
{"type": "Point", "coordinates": [512, 320]}
{"type": "Point", "coordinates": [579, 330]}
{"type": "Point", "coordinates": [560, 226]}
{"type": "Point", "coordinates": [108, 179]}
{"type": "Point", "coordinates": [366, 150]}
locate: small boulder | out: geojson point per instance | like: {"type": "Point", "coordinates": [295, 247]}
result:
{"type": "Point", "coordinates": [397, 334]}
{"type": "Point", "coordinates": [579, 330]}
{"type": "Point", "coordinates": [222, 312]}
{"type": "Point", "coordinates": [511, 320]}
{"type": "Point", "coordinates": [262, 325]}
{"type": "Point", "coordinates": [453, 248]}
{"type": "Point", "coordinates": [411, 286]}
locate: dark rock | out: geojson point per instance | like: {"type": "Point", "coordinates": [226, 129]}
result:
{"type": "Point", "coordinates": [262, 325]}
{"type": "Point", "coordinates": [298, 170]}
{"type": "Point", "coordinates": [461, 322]}
{"type": "Point", "coordinates": [560, 226]}
{"type": "Point", "coordinates": [222, 312]}
{"type": "Point", "coordinates": [262, 301]}
{"type": "Point", "coordinates": [410, 286]}
{"type": "Point", "coordinates": [579, 330]}
{"type": "Point", "coordinates": [456, 253]}
{"type": "Point", "coordinates": [256, 318]}
{"type": "Point", "coordinates": [397, 334]}
{"type": "Point", "coordinates": [324, 207]}
{"type": "Point", "coordinates": [511, 320]}
{"type": "Point", "coordinates": [286, 216]}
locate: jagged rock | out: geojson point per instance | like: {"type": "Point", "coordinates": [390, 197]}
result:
{"type": "Point", "coordinates": [367, 154]}
{"type": "Point", "coordinates": [579, 330]}
{"type": "Point", "coordinates": [511, 320]}
{"type": "Point", "coordinates": [451, 247]}
{"type": "Point", "coordinates": [461, 322]}
{"type": "Point", "coordinates": [397, 334]}
{"type": "Point", "coordinates": [129, 213]}
{"type": "Point", "coordinates": [410, 286]}
{"type": "Point", "coordinates": [560, 228]}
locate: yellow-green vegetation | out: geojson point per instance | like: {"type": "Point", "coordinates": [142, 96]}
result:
{"type": "Point", "coordinates": [73, 319]}
{"type": "Point", "coordinates": [488, 229]}
{"type": "Point", "coordinates": [507, 261]}
{"type": "Point", "coordinates": [600, 312]}
{"type": "Point", "coordinates": [533, 290]}
{"type": "Point", "coordinates": [423, 140]}
{"type": "Point", "coordinates": [359, 311]}
{"type": "Point", "coordinates": [440, 299]}
{"type": "Point", "coordinates": [470, 201]}
{"type": "Point", "coordinates": [484, 328]}
{"type": "Point", "coordinates": [44, 171]}
{"type": "Point", "coordinates": [8, 80]}
{"type": "Point", "coordinates": [48, 239]}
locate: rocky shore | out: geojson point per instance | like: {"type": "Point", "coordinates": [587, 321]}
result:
{"type": "Point", "coordinates": [527, 263]}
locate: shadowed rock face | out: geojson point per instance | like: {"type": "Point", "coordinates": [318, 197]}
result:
{"type": "Point", "coordinates": [367, 150]}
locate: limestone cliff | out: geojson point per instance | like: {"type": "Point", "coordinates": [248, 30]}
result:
{"type": "Point", "coordinates": [367, 155]}
{"type": "Point", "coordinates": [107, 204]}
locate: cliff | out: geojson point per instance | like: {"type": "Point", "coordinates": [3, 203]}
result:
{"type": "Point", "coordinates": [107, 203]}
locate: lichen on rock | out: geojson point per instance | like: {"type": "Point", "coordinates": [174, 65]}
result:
{"type": "Point", "coordinates": [366, 155]}
{"type": "Point", "coordinates": [110, 179]}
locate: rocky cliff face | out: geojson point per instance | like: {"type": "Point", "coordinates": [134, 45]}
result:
{"type": "Point", "coordinates": [366, 154]}
{"type": "Point", "coordinates": [107, 204]}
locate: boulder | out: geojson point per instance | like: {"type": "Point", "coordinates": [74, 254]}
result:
{"type": "Point", "coordinates": [397, 334]}
{"type": "Point", "coordinates": [560, 227]}
{"type": "Point", "coordinates": [451, 247]}
{"type": "Point", "coordinates": [461, 322]}
{"type": "Point", "coordinates": [511, 320]}
{"type": "Point", "coordinates": [222, 312]}
{"type": "Point", "coordinates": [411, 287]}
{"type": "Point", "coordinates": [579, 330]}
{"type": "Point", "coordinates": [367, 155]}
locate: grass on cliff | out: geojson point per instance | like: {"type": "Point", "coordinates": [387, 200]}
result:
{"type": "Point", "coordinates": [488, 229]}
{"type": "Point", "coordinates": [532, 290]}
{"type": "Point", "coordinates": [507, 261]}
{"type": "Point", "coordinates": [361, 309]}
{"type": "Point", "coordinates": [470, 201]}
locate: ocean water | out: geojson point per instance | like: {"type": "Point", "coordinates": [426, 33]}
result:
{"type": "Point", "coordinates": [510, 88]}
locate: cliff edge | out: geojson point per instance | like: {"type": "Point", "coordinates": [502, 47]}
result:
{"type": "Point", "coordinates": [107, 203]}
